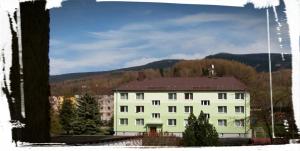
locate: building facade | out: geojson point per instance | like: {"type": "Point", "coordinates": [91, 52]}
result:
{"type": "Point", "coordinates": [56, 102]}
{"type": "Point", "coordinates": [164, 104]}
{"type": "Point", "coordinates": [106, 106]}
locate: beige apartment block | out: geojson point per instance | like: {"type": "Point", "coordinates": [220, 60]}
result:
{"type": "Point", "coordinates": [106, 106]}
{"type": "Point", "coordinates": [56, 102]}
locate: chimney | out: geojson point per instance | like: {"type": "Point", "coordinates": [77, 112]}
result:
{"type": "Point", "coordinates": [141, 76]}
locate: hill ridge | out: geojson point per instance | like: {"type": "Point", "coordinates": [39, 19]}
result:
{"type": "Point", "coordinates": [259, 61]}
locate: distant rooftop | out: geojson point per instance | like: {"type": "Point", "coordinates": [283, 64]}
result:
{"type": "Point", "coordinates": [185, 84]}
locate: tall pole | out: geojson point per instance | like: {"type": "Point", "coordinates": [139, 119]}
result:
{"type": "Point", "coordinates": [116, 112]}
{"type": "Point", "coordinates": [270, 73]}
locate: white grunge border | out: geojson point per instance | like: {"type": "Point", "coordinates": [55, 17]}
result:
{"type": "Point", "coordinates": [8, 7]}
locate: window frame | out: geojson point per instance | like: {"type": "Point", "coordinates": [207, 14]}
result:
{"type": "Point", "coordinates": [203, 102]}
{"type": "Point", "coordinates": [173, 109]}
{"type": "Point", "coordinates": [125, 107]}
{"type": "Point", "coordinates": [190, 108]}
{"type": "Point", "coordinates": [172, 96]}
{"type": "Point", "coordinates": [207, 115]}
{"type": "Point", "coordinates": [241, 109]}
{"type": "Point", "coordinates": [222, 96]}
{"type": "Point", "coordinates": [124, 93]}
{"type": "Point", "coordinates": [156, 117]}
{"type": "Point", "coordinates": [125, 119]}
{"type": "Point", "coordinates": [174, 123]}
{"type": "Point", "coordinates": [239, 96]}
{"type": "Point", "coordinates": [224, 123]}
{"type": "Point", "coordinates": [240, 121]}
{"type": "Point", "coordinates": [154, 104]}
{"type": "Point", "coordinates": [185, 122]}
{"type": "Point", "coordinates": [138, 107]}
{"type": "Point", "coordinates": [137, 96]}
{"type": "Point", "coordinates": [136, 122]}
{"type": "Point", "coordinates": [223, 108]}
{"type": "Point", "coordinates": [188, 96]}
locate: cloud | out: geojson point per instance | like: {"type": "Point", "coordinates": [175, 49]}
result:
{"type": "Point", "coordinates": [203, 17]}
{"type": "Point", "coordinates": [240, 20]}
{"type": "Point", "coordinates": [188, 37]}
{"type": "Point", "coordinates": [98, 59]}
{"type": "Point", "coordinates": [143, 61]}
{"type": "Point", "coordinates": [140, 61]}
{"type": "Point", "coordinates": [55, 42]}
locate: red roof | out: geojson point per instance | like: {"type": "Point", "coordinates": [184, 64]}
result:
{"type": "Point", "coordinates": [185, 84]}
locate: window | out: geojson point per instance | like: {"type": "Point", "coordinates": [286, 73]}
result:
{"type": "Point", "coordinates": [155, 102]}
{"type": "Point", "coordinates": [172, 109]}
{"type": "Point", "coordinates": [124, 96]}
{"type": "Point", "coordinates": [205, 102]}
{"type": "Point", "coordinates": [172, 122]}
{"type": "Point", "coordinates": [172, 96]}
{"type": "Point", "coordinates": [188, 109]}
{"type": "Point", "coordinates": [206, 115]}
{"type": "Point", "coordinates": [239, 109]}
{"type": "Point", "coordinates": [239, 123]}
{"type": "Point", "coordinates": [222, 122]}
{"type": "Point", "coordinates": [222, 96]}
{"type": "Point", "coordinates": [139, 121]}
{"type": "Point", "coordinates": [140, 96]}
{"type": "Point", "coordinates": [123, 108]}
{"type": "Point", "coordinates": [222, 109]}
{"type": "Point", "coordinates": [155, 115]}
{"type": "Point", "coordinates": [185, 122]}
{"type": "Point", "coordinates": [108, 114]}
{"type": "Point", "coordinates": [108, 108]}
{"type": "Point", "coordinates": [239, 95]}
{"type": "Point", "coordinates": [188, 96]}
{"type": "Point", "coordinates": [139, 109]}
{"type": "Point", "coordinates": [123, 121]}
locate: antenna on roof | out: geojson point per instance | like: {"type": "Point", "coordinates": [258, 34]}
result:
{"type": "Point", "coordinates": [211, 70]}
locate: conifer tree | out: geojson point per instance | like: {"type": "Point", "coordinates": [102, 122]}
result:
{"type": "Point", "coordinates": [188, 135]}
{"type": "Point", "coordinates": [88, 116]}
{"type": "Point", "coordinates": [67, 115]}
{"type": "Point", "coordinates": [111, 125]}
{"type": "Point", "coordinates": [199, 132]}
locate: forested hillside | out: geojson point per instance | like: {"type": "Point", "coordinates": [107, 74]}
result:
{"type": "Point", "coordinates": [153, 65]}
{"type": "Point", "coordinates": [257, 83]}
{"type": "Point", "coordinates": [258, 61]}
{"type": "Point", "coordinates": [105, 83]}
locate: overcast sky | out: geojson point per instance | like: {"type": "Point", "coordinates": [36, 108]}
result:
{"type": "Point", "coordinates": [88, 36]}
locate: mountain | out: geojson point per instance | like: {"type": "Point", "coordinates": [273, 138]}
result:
{"type": "Point", "coordinates": [153, 65]}
{"type": "Point", "coordinates": [259, 61]}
